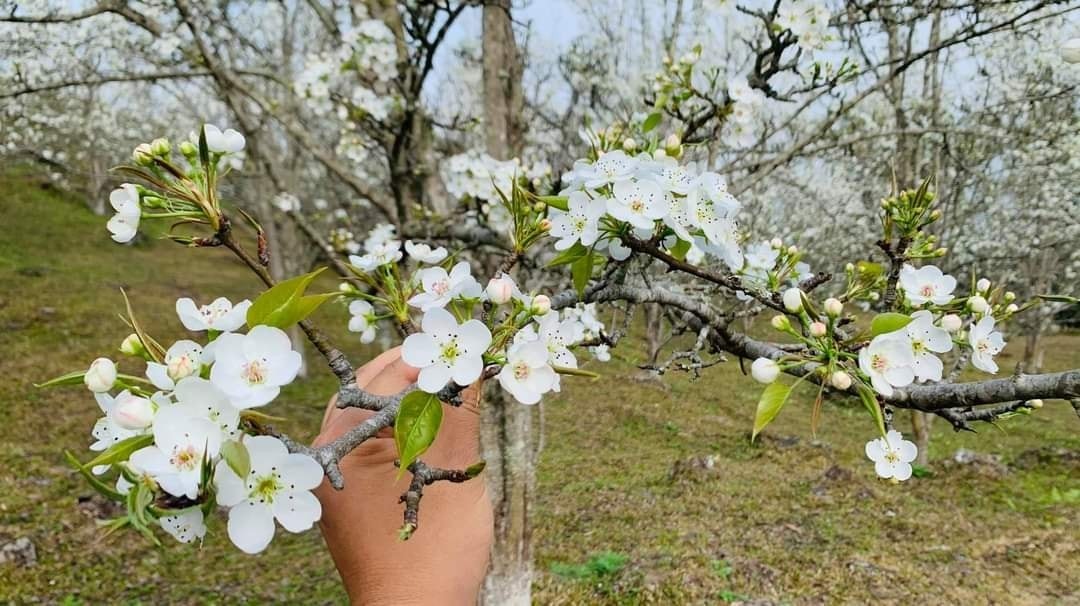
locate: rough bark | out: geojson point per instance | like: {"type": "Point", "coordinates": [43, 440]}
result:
{"type": "Point", "coordinates": [510, 434]}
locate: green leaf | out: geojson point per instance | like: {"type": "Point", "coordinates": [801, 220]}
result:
{"type": "Point", "coordinates": [888, 322]}
{"type": "Point", "coordinates": [1060, 299]}
{"type": "Point", "coordinates": [680, 249]}
{"type": "Point", "coordinates": [581, 271]}
{"type": "Point", "coordinates": [71, 378]}
{"type": "Point", "coordinates": [560, 202]}
{"type": "Point", "coordinates": [120, 451]}
{"type": "Point", "coordinates": [772, 400]}
{"type": "Point", "coordinates": [204, 149]}
{"type": "Point", "coordinates": [105, 490]}
{"type": "Point", "coordinates": [153, 348]}
{"type": "Point", "coordinates": [870, 269]}
{"type": "Point", "coordinates": [283, 305]}
{"type": "Point", "coordinates": [416, 426]}
{"type": "Point", "coordinates": [869, 400]}
{"type": "Point", "coordinates": [237, 456]}
{"type": "Point", "coordinates": [569, 255]}
{"type": "Point", "coordinates": [651, 122]}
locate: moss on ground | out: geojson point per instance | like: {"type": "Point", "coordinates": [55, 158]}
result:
{"type": "Point", "coordinates": [649, 492]}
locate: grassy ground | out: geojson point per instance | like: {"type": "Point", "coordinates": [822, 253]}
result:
{"type": "Point", "coordinates": [629, 508]}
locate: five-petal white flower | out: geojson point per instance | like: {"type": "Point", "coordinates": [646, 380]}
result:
{"type": "Point", "coordinates": [985, 344]}
{"type": "Point", "coordinates": [888, 361]}
{"type": "Point", "coordinates": [441, 287]}
{"type": "Point", "coordinates": [228, 141]}
{"type": "Point", "coordinates": [580, 222]}
{"type": "Point", "coordinates": [251, 368]}
{"type": "Point", "coordinates": [639, 203]}
{"type": "Point", "coordinates": [446, 350]}
{"type": "Point", "coordinates": [527, 374]}
{"type": "Point", "coordinates": [892, 455]}
{"type": "Point", "coordinates": [278, 486]}
{"type": "Point", "coordinates": [181, 443]}
{"type": "Point", "coordinates": [221, 315]}
{"type": "Point", "coordinates": [926, 284]}
{"type": "Point", "coordinates": [927, 339]}
{"type": "Point", "coordinates": [124, 224]}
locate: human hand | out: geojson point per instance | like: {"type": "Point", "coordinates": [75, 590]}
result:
{"type": "Point", "coordinates": [445, 560]}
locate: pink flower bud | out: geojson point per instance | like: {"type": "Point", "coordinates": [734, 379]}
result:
{"type": "Point", "coordinates": [541, 304]}
{"type": "Point", "coordinates": [133, 412]}
{"type": "Point", "coordinates": [834, 307]}
{"type": "Point", "coordinates": [500, 290]}
{"type": "Point", "coordinates": [818, 329]}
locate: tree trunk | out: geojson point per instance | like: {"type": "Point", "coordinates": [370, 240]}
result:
{"type": "Point", "coordinates": [510, 434]}
{"type": "Point", "coordinates": [920, 425]}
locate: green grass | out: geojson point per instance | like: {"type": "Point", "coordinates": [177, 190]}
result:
{"type": "Point", "coordinates": [793, 518]}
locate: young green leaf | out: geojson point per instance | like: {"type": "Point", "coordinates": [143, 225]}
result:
{"type": "Point", "coordinates": [651, 122]}
{"type": "Point", "coordinates": [888, 322]}
{"type": "Point", "coordinates": [121, 450]}
{"type": "Point", "coordinates": [237, 456]}
{"type": "Point", "coordinates": [204, 149]}
{"type": "Point", "coordinates": [560, 202]}
{"type": "Point", "coordinates": [680, 249]}
{"type": "Point", "coordinates": [569, 255]}
{"type": "Point", "coordinates": [104, 489]}
{"type": "Point", "coordinates": [869, 400]}
{"type": "Point", "coordinates": [772, 400]}
{"type": "Point", "coordinates": [581, 271]}
{"type": "Point", "coordinates": [282, 305]}
{"type": "Point", "coordinates": [416, 426]}
{"type": "Point", "coordinates": [71, 378]}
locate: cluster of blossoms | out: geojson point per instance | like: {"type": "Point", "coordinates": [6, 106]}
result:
{"type": "Point", "coordinates": [747, 104]}
{"type": "Point", "coordinates": [368, 49]}
{"type": "Point", "coordinates": [808, 20]}
{"type": "Point", "coordinates": [520, 332]}
{"type": "Point", "coordinates": [174, 436]}
{"type": "Point", "coordinates": [619, 194]}
{"type": "Point", "coordinates": [134, 203]}
{"type": "Point", "coordinates": [474, 175]}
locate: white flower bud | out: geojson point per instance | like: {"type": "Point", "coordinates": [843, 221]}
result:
{"type": "Point", "coordinates": [776, 243]}
{"type": "Point", "coordinates": [143, 155]}
{"type": "Point", "coordinates": [978, 304]}
{"type": "Point", "coordinates": [874, 296]}
{"type": "Point", "coordinates": [793, 300]}
{"type": "Point", "coordinates": [1012, 308]}
{"type": "Point", "coordinates": [1070, 51]}
{"type": "Point", "coordinates": [101, 375]}
{"type": "Point", "coordinates": [629, 144]}
{"type": "Point", "coordinates": [1035, 403]}
{"type": "Point", "coordinates": [181, 366]}
{"type": "Point", "coordinates": [982, 285]}
{"type": "Point", "coordinates": [764, 370]}
{"type": "Point", "coordinates": [834, 307]}
{"type": "Point", "coordinates": [541, 304]}
{"type": "Point", "coordinates": [133, 412]}
{"type": "Point", "coordinates": [132, 346]}
{"type": "Point", "coordinates": [951, 322]}
{"type": "Point", "coordinates": [1010, 297]}
{"type": "Point", "coordinates": [818, 329]}
{"type": "Point", "coordinates": [840, 380]}
{"type": "Point", "coordinates": [500, 290]}
{"type": "Point", "coordinates": [791, 250]}
{"type": "Point", "coordinates": [850, 267]}
{"type": "Point", "coordinates": [673, 144]}
{"type": "Point", "coordinates": [781, 322]}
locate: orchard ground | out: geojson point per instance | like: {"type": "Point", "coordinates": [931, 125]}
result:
{"type": "Point", "coordinates": [650, 492]}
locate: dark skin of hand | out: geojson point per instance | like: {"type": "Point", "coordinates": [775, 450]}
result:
{"type": "Point", "coordinates": [445, 560]}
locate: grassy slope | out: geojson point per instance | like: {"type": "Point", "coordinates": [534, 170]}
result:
{"type": "Point", "coordinates": [794, 519]}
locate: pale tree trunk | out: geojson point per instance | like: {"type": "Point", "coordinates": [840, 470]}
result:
{"type": "Point", "coordinates": [510, 437]}
{"type": "Point", "coordinates": [654, 328]}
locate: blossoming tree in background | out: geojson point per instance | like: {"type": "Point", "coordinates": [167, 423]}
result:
{"type": "Point", "coordinates": [708, 170]}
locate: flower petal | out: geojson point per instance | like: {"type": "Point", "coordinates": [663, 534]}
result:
{"type": "Point", "coordinates": [251, 526]}
{"type": "Point", "coordinates": [297, 510]}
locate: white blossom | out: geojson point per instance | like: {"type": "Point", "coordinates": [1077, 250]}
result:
{"type": "Point", "coordinates": [926, 284]}
{"type": "Point", "coordinates": [183, 359]}
{"type": "Point", "coordinates": [892, 455]}
{"type": "Point", "coordinates": [181, 444]}
{"type": "Point", "coordinates": [423, 253]}
{"type": "Point", "coordinates": [220, 316]}
{"type": "Point", "coordinates": [440, 287]}
{"type": "Point", "coordinates": [888, 361]}
{"type": "Point", "coordinates": [527, 374]}
{"type": "Point", "coordinates": [639, 203]}
{"type": "Point", "coordinates": [227, 141]}
{"type": "Point", "coordinates": [926, 340]}
{"type": "Point", "coordinates": [362, 320]}
{"type": "Point", "coordinates": [446, 350]}
{"type": "Point", "coordinates": [579, 224]}
{"type": "Point", "coordinates": [252, 368]}
{"type": "Point", "coordinates": [125, 223]}
{"type": "Point", "coordinates": [985, 344]}
{"type": "Point", "coordinates": [278, 486]}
